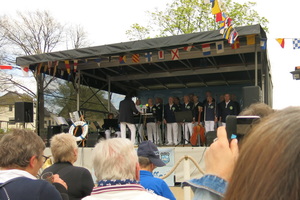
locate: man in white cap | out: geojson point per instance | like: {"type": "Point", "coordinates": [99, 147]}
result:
{"type": "Point", "coordinates": [149, 160]}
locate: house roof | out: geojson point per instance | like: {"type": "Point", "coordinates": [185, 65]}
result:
{"type": "Point", "coordinates": [11, 97]}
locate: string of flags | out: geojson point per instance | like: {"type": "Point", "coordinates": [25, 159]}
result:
{"type": "Point", "coordinates": [226, 26]}
{"type": "Point", "coordinates": [295, 42]}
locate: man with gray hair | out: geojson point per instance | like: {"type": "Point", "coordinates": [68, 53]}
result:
{"type": "Point", "coordinates": [117, 170]}
{"type": "Point", "coordinates": [21, 157]}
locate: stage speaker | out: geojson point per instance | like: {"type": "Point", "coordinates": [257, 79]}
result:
{"type": "Point", "coordinates": [52, 130]}
{"type": "Point", "coordinates": [210, 136]}
{"type": "Point", "coordinates": [92, 139]}
{"type": "Point", "coordinates": [23, 112]}
{"type": "Point", "coordinates": [251, 94]}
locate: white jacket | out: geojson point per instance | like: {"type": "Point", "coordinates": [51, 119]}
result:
{"type": "Point", "coordinates": [120, 193]}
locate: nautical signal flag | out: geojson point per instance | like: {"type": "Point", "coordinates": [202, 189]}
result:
{"type": "Point", "coordinates": [148, 57]}
{"type": "Point", "coordinates": [227, 32]}
{"type": "Point", "coordinates": [175, 54]}
{"type": "Point", "coordinates": [280, 41]}
{"type": "Point", "coordinates": [263, 43]}
{"type": "Point", "coordinates": [206, 49]}
{"type": "Point", "coordinates": [5, 67]}
{"type": "Point", "coordinates": [219, 17]}
{"type": "Point", "coordinates": [296, 43]}
{"type": "Point", "coordinates": [250, 39]}
{"type": "Point", "coordinates": [97, 60]}
{"type": "Point", "coordinates": [236, 44]}
{"type": "Point", "coordinates": [122, 59]}
{"type": "Point", "coordinates": [215, 9]}
{"type": "Point", "coordinates": [161, 55]}
{"type": "Point", "coordinates": [233, 36]}
{"type": "Point", "coordinates": [188, 48]}
{"type": "Point", "coordinates": [25, 70]}
{"type": "Point", "coordinates": [135, 58]}
{"type": "Point", "coordinates": [67, 64]}
{"type": "Point", "coordinates": [220, 46]}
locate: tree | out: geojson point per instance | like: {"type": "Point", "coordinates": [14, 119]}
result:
{"type": "Point", "coordinates": [189, 16]}
{"type": "Point", "coordinates": [77, 37]}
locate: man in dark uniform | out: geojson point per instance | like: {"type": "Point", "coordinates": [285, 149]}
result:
{"type": "Point", "coordinates": [158, 116]}
{"type": "Point", "coordinates": [187, 125]}
{"type": "Point", "coordinates": [225, 108]}
{"type": "Point", "coordinates": [170, 121]}
{"type": "Point", "coordinates": [126, 109]}
{"type": "Point", "coordinates": [151, 121]}
{"type": "Point", "coordinates": [197, 106]}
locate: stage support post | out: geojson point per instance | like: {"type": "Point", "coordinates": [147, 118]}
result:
{"type": "Point", "coordinates": [109, 95]}
{"type": "Point", "coordinates": [78, 90]}
{"type": "Point", "coordinates": [186, 176]}
{"type": "Point", "coordinates": [256, 67]}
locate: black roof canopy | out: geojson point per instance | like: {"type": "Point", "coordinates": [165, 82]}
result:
{"type": "Point", "coordinates": [100, 65]}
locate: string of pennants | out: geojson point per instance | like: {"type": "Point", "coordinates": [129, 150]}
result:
{"type": "Point", "coordinates": [226, 25]}
{"type": "Point", "coordinates": [172, 54]}
{"type": "Point", "coordinates": [296, 42]}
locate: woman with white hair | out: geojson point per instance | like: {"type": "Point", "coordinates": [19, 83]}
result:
{"type": "Point", "coordinates": [65, 151]}
{"type": "Point", "coordinates": [117, 170]}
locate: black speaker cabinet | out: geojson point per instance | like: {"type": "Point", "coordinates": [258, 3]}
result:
{"type": "Point", "coordinates": [52, 130]}
{"type": "Point", "coordinates": [23, 112]}
{"type": "Point", "coordinates": [92, 139]}
{"type": "Point", "coordinates": [251, 94]}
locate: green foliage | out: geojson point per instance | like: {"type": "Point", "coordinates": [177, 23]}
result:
{"type": "Point", "coordinates": [189, 16]}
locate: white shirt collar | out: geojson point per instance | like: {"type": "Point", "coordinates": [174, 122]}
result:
{"type": "Point", "coordinates": [6, 175]}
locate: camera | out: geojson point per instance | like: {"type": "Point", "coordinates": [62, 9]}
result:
{"type": "Point", "coordinates": [239, 126]}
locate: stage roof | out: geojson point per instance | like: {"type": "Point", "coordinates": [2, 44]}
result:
{"type": "Point", "coordinates": [101, 66]}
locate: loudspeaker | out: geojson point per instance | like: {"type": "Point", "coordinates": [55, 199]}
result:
{"type": "Point", "coordinates": [23, 112]}
{"type": "Point", "coordinates": [210, 136]}
{"type": "Point", "coordinates": [251, 94]}
{"type": "Point", "coordinates": [52, 130]}
{"type": "Point", "coordinates": [92, 139]}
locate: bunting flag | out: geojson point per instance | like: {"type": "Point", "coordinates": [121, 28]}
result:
{"type": "Point", "coordinates": [122, 59]}
{"type": "Point", "coordinates": [49, 67]}
{"type": "Point", "coordinates": [296, 43]}
{"type": "Point", "coordinates": [188, 48]}
{"type": "Point", "coordinates": [215, 9]}
{"type": "Point", "coordinates": [39, 68]}
{"type": "Point", "coordinates": [5, 67]}
{"type": "Point", "coordinates": [25, 70]}
{"type": "Point", "coordinates": [219, 17]}
{"type": "Point", "coordinates": [67, 64]}
{"type": "Point", "coordinates": [98, 61]}
{"type": "Point", "coordinates": [227, 32]}
{"type": "Point", "coordinates": [220, 46]}
{"type": "Point", "coordinates": [55, 67]}
{"type": "Point", "coordinates": [236, 44]}
{"type": "Point", "coordinates": [135, 58]}
{"type": "Point", "coordinates": [161, 55]}
{"type": "Point", "coordinates": [280, 41]}
{"type": "Point", "coordinates": [75, 65]}
{"type": "Point", "coordinates": [175, 54]}
{"type": "Point", "coordinates": [250, 39]}
{"type": "Point", "coordinates": [263, 43]}
{"type": "Point", "coordinates": [206, 49]}
{"type": "Point", "coordinates": [233, 36]}
{"type": "Point", "coordinates": [148, 57]}
{"type": "Point", "coordinates": [62, 73]}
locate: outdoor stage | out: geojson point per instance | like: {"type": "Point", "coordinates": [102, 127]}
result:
{"type": "Point", "coordinates": [168, 153]}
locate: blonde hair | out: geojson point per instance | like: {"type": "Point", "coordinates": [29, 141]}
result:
{"type": "Point", "coordinates": [115, 158]}
{"type": "Point", "coordinates": [62, 147]}
{"type": "Point", "coordinates": [269, 160]}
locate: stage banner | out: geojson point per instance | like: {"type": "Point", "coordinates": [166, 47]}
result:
{"type": "Point", "coordinates": [167, 156]}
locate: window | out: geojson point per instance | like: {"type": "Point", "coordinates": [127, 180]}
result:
{"type": "Point", "coordinates": [10, 108]}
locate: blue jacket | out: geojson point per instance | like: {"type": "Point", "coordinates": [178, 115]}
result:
{"type": "Point", "coordinates": [157, 185]}
{"type": "Point", "coordinates": [28, 189]}
{"type": "Point", "coordinates": [169, 113]}
{"type": "Point", "coordinates": [208, 187]}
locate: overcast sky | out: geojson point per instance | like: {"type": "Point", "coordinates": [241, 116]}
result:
{"type": "Point", "coordinates": [107, 21]}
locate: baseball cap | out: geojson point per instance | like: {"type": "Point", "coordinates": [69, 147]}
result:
{"type": "Point", "coordinates": [149, 150]}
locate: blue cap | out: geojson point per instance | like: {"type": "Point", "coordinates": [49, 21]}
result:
{"type": "Point", "coordinates": [149, 150]}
